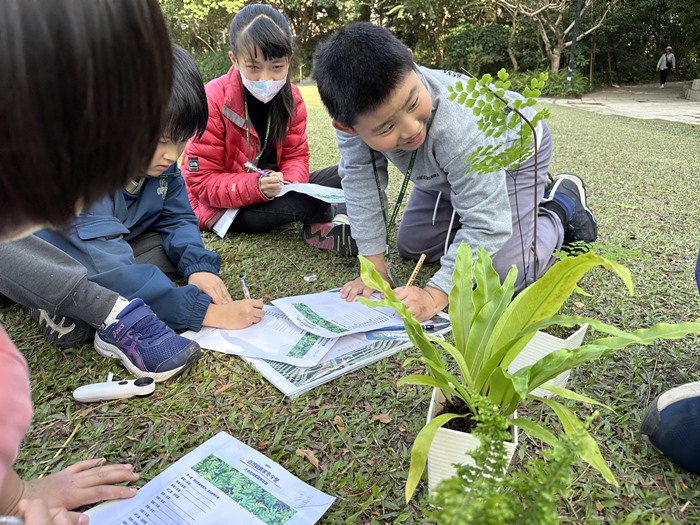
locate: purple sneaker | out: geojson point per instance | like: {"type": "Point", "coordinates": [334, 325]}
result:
{"type": "Point", "coordinates": [146, 346]}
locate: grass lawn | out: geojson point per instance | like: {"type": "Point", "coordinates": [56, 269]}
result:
{"type": "Point", "coordinates": [640, 176]}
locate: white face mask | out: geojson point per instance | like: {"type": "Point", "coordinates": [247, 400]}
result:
{"type": "Point", "coordinates": [263, 90]}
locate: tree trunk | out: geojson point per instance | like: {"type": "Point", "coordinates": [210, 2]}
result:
{"type": "Point", "coordinates": [555, 59]}
{"type": "Point", "coordinates": [511, 54]}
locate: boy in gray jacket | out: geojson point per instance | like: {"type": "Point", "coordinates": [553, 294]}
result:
{"type": "Point", "coordinates": [386, 108]}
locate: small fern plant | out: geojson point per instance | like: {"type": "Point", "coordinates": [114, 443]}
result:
{"type": "Point", "coordinates": [479, 493]}
{"type": "Point", "coordinates": [496, 115]}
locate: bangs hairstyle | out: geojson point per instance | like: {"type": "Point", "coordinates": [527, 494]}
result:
{"type": "Point", "coordinates": [261, 28]}
{"type": "Point", "coordinates": [84, 88]}
{"type": "Point", "coordinates": [187, 111]}
{"type": "Point", "coordinates": [358, 68]}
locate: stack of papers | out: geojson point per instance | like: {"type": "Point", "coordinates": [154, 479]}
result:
{"type": "Point", "coordinates": [307, 340]}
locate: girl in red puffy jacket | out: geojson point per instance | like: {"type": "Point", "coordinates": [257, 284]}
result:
{"type": "Point", "coordinates": [257, 116]}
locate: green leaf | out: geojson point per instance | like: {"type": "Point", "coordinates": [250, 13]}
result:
{"type": "Point", "coordinates": [570, 394]}
{"type": "Point", "coordinates": [419, 451]}
{"type": "Point", "coordinates": [431, 381]}
{"type": "Point", "coordinates": [588, 449]}
{"type": "Point", "coordinates": [535, 430]}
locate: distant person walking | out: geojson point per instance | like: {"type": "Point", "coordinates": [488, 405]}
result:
{"type": "Point", "coordinates": [666, 63]}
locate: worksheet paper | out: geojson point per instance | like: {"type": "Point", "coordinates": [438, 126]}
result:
{"type": "Point", "coordinates": [349, 353]}
{"type": "Point", "coordinates": [322, 193]}
{"type": "Point", "coordinates": [275, 338]}
{"type": "Point", "coordinates": [224, 223]}
{"type": "Point", "coordinates": [327, 315]}
{"type": "Point", "coordinates": [221, 482]}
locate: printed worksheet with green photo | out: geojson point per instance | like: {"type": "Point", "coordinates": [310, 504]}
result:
{"type": "Point", "coordinates": [222, 481]}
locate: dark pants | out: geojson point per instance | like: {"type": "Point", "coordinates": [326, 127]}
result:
{"type": "Point", "coordinates": [663, 75]}
{"type": "Point", "coordinates": [148, 249]}
{"type": "Point", "coordinates": [291, 207]}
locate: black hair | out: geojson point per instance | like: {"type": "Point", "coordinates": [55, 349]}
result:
{"type": "Point", "coordinates": [84, 88]}
{"type": "Point", "coordinates": [358, 68]}
{"type": "Point", "coordinates": [262, 27]}
{"type": "Point", "coordinates": [187, 112]}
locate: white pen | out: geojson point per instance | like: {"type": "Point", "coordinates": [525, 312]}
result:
{"type": "Point", "coordinates": [253, 167]}
{"type": "Point", "coordinates": [246, 293]}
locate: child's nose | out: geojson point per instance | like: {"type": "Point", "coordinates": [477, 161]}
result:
{"type": "Point", "coordinates": [410, 127]}
{"type": "Point", "coordinates": [171, 154]}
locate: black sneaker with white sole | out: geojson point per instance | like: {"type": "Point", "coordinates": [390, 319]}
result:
{"type": "Point", "coordinates": [61, 331]}
{"type": "Point", "coordinates": [567, 196]}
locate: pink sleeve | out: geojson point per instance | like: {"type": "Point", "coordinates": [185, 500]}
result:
{"type": "Point", "coordinates": [16, 407]}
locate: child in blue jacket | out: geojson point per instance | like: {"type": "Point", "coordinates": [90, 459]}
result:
{"type": "Point", "coordinates": [136, 240]}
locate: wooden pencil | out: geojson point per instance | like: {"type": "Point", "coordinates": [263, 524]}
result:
{"type": "Point", "coordinates": [416, 270]}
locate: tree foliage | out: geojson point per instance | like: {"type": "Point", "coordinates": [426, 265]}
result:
{"type": "Point", "coordinates": [618, 40]}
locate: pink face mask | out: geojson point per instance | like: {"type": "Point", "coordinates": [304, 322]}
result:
{"type": "Point", "coordinates": [263, 90]}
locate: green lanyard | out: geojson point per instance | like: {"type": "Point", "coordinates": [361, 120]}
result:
{"type": "Point", "coordinates": [249, 124]}
{"type": "Point", "coordinates": [389, 223]}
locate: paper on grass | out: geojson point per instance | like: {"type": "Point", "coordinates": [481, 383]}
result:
{"type": "Point", "coordinates": [349, 353]}
{"type": "Point", "coordinates": [224, 223]}
{"type": "Point", "coordinates": [322, 193]}
{"type": "Point", "coordinates": [327, 315]}
{"type": "Point", "coordinates": [222, 481]}
{"type": "Point", "coordinates": [275, 338]}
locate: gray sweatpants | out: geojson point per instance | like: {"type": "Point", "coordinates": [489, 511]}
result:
{"type": "Point", "coordinates": [428, 225]}
{"type": "Point", "coordinates": [36, 274]}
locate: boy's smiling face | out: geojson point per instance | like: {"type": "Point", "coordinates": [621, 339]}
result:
{"type": "Point", "coordinates": [166, 154]}
{"type": "Point", "coordinates": [398, 123]}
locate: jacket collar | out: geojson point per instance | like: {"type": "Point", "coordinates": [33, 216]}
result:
{"type": "Point", "coordinates": [233, 107]}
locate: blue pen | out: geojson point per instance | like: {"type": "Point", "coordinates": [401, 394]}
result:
{"type": "Point", "coordinates": [428, 327]}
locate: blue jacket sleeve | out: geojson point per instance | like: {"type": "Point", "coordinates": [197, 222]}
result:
{"type": "Point", "coordinates": [179, 228]}
{"type": "Point", "coordinates": [96, 239]}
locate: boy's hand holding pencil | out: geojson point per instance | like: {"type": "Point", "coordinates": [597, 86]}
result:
{"type": "Point", "coordinates": [423, 303]}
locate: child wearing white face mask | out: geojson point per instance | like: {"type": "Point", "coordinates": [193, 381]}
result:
{"type": "Point", "coordinates": [257, 116]}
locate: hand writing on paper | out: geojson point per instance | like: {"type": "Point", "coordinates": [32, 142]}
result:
{"type": "Point", "coordinates": [234, 315]}
{"type": "Point", "coordinates": [423, 303]}
{"type": "Point", "coordinates": [271, 185]}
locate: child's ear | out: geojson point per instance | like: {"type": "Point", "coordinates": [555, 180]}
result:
{"type": "Point", "coordinates": [233, 59]}
{"type": "Point", "coordinates": [342, 127]}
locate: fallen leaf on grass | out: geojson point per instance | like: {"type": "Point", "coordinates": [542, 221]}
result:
{"type": "Point", "coordinates": [222, 389]}
{"type": "Point", "coordinates": [86, 411]}
{"type": "Point", "coordinates": [384, 418]}
{"type": "Point", "coordinates": [308, 454]}
{"type": "Point", "coordinates": [599, 506]}
{"type": "Point", "coordinates": [339, 423]}
{"type": "Point", "coordinates": [262, 445]}
{"type": "Point", "coordinates": [579, 304]}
